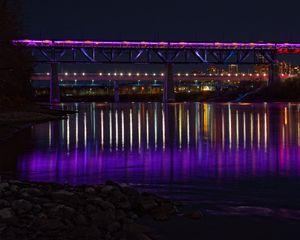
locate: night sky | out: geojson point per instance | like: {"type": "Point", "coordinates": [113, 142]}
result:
{"type": "Point", "coordinates": [186, 20]}
{"type": "Point", "coordinates": [159, 20]}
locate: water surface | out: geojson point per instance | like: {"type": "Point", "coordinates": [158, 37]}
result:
{"type": "Point", "coordinates": [181, 149]}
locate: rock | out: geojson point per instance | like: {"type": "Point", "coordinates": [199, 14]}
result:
{"type": "Point", "coordinates": [62, 195]}
{"type": "Point", "coordinates": [132, 215]}
{"type": "Point", "coordinates": [14, 188]}
{"type": "Point", "coordinates": [62, 211]}
{"type": "Point", "coordinates": [54, 211]}
{"type": "Point", "coordinates": [91, 208]}
{"type": "Point", "coordinates": [31, 191]}
{"type": "Point", "coordinates": [92, 232]}
{"type": "Point", "coordinates": [147, 203]}
{"type": "Point", "coordinates": [109, 237]}
{"type": "Point", "coordinates": [120, 215]}
{"type": "Point", "coordinates": [36, 208]}
{"type": "Point", "coordinates": [9, 234]}
{"type": "Point", "coordinates": [51, 224]}
{"type": "Point", "coordinates": [107, 189]}
{"type": "Point", "coordinates": [123, 205]}
{"type": "Point", "coordinates": [119, 199]}
{"type": "Point", "coordinates": [90, 190]}
{"type": "Point", "coordinates": [7, 193]}
{"type": "Point", "coordinates": [80, 220]}
{"type": "Point", "coordinates": [21, 206]}
{"type": "Point", "coordinates": [4, 203]}
{"type": "Point", "coordinates": [103, 218]}
{"type": "Point", "coordinates": [15, 182]}
{"type": "Point", "coordinates": [114, 227]}
{"type": "Point", "coordinates": [25, 195]}
{"type": "Point", "coordinates": [4, 186]}
{"type": "Point", "coordinates": [130, 192]}
{"type": "Point", "coordinates": [101, 203]}
{"type": "Point", "coordinates": [6, 213]}
{"type": "Point", "coordinates": [2, 227]}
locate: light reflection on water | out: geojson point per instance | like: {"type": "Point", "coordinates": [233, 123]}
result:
{"type": "Point", "coordinates": [152, 143]}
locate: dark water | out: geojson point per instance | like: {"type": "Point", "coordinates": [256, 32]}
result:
{"type": "Point", "coordinates": [181, 150]}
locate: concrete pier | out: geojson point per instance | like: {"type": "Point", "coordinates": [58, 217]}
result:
{"type": "Point", "coordinates": [274, 75]}
{"type": "Point", "coordinates": [116, 91]}
{"type": "Point", "coordinates": [54, 84]}
{"type": "Point", "coordinates": [169, 84]}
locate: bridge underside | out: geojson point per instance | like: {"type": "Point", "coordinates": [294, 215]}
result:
{"type": "Point", "coordinates": [168, 57]}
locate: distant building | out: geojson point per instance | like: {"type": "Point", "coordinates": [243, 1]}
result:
{"type": "Point", "coordinates": [296, 70]}
{"type": "Point", "coordinates": [261, 69]}
{"type": "Point", "coordinates": [285, 68]}
{"type": "Point", "coordinates": [212, 69]}
{"type": "Point", "coordinates": [233, 68]}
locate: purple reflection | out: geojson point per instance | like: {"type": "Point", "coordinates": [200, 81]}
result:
{"type": "Point", "coordinates": [157, 144]}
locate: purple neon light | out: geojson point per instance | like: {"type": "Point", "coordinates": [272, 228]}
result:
{"type": "Point", "coordinates": [142, 44]}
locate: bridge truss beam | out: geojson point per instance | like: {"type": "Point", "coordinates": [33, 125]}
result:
{"type": "Point", "coordinates": [152, 56]}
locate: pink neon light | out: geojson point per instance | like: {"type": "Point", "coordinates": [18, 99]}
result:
{"type": "Point", "coordinates": [143, 44]}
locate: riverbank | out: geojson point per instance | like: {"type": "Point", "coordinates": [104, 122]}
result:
{"type": "Point", "coordinates": [13, 120]}
{"type": "Point", "coordinates": [283, 91]}
{"type": "Point", "coordinates": [53, 211]}
{"type": "Point", "coordinates": [112, 211]}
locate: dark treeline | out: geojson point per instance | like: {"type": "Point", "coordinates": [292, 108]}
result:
{"type": "Point", "coordinates": [15, 63]}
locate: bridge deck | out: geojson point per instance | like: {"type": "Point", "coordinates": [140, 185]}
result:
{"type": "Point", "coordinates": [279, 47]}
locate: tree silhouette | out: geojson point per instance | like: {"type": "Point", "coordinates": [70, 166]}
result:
{"type": "Point", "coordinates": [15, 63]}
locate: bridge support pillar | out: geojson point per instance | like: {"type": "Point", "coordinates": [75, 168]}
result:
{"type": "Point", "coordinates": [169, 84]}
{"type": "Point", "coordinates": [116, 91]}
{"type": "Point", "coordinates": [54, 84]}
{"type": "Point", "coordinates": [274, 76]}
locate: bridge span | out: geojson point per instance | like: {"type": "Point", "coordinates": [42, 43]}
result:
{"type": "Point", "coordinates": [56, 52]}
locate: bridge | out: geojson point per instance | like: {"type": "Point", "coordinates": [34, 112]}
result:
{"type": "Point", "coordinates": [168, 53]}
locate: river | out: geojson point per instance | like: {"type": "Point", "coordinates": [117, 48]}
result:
{"type": "Point", "coordinates": [186, 151]}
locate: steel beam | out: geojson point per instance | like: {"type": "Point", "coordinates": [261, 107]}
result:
{"type": "Point", "coordinates": [151, 56]}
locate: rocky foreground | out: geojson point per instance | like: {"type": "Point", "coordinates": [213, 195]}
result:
{"type": "Point", "coordinates": [52, 211]}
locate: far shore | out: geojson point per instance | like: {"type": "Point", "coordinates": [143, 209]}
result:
{"type": "Point", "coordinates": [14, 119]}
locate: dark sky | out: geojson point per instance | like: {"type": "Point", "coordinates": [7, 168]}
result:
{"type": "Point", "coordinates": [187, 20]}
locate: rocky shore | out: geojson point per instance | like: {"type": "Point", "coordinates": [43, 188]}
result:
{"type": "Point", "coordinates": [52, 211]}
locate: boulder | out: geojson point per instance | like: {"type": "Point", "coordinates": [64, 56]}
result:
{"type": "Point", "coordinates": [21, 206]}
{"type": "Point", "coordinates": [62, 211]}
{"type": "Point", "coordinates": [90, 190]}
{"type": "Point", "coordinates": [4, 203]}
{"type": "Point", "coordinates": [3, 186]}
{"type": "Point", "coordinates": [6, 213]}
